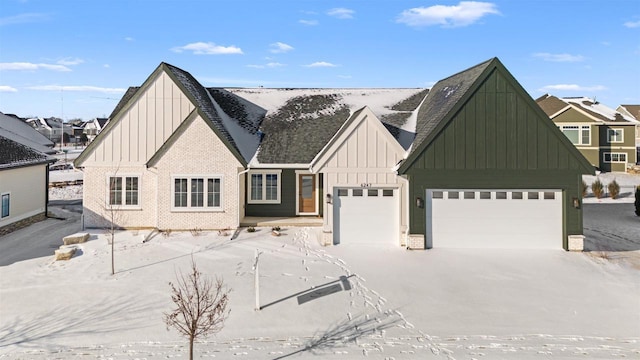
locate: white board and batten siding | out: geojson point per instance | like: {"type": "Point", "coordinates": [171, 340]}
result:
{"type": "Point", "coordinates": [363, 156]}
{"type": "Point", "coordinates": [495, 219]}
{"type": "Point", "coordinates": [139, 132]}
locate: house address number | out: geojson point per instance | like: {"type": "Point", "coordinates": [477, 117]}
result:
{"type": "Point", "coordinates": [365, 185]}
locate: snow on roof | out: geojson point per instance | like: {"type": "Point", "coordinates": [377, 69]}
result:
{"type": "Point", "coordinates": [379, 101]}
{"type": "Point", "coordinates": [604, 112]}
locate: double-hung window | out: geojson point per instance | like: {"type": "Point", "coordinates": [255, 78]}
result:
{"type": "Point", "coordinates": [577, 134]}
{"type": "Point", "coordinates": [6, 204]}
{"type": "Point", "coordinates": [615, 135]}
{"type": "Point", "coordinates": [124, 190]}
{"type": "Point", "coordinates": [197, 192]}
{"type": "Point", "coordinates": [610, 157]}
{"type": "Point", "coordinates": [264, 187]}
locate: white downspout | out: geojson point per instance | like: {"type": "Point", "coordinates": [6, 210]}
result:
{"type": "Point", "coordinates": [242, 203]}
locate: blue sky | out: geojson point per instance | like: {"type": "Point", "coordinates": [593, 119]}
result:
{"type": "Point", "coordinates": [75, 59]}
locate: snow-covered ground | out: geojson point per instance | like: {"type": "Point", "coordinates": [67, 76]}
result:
{"type": "Point", "coordinates": [627, 182]}
{"type": "Point", "coordinates": [342, 302]}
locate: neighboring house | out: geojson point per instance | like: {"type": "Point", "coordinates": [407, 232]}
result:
{"type": "Point", "coordinates": [93, 127]}
{"type": "Point", "coordinates": [23, 183]}
{"type": "Point", "coordinates": [51, 128]}
{"type": "Point", "coordinates": [607, 138]}
{"type": "Point", "coordinates": [634, 112]}
{"type": "Point", "coordinates": [16, 129]}
{"type": "Point", "coordinates": [372, 164]}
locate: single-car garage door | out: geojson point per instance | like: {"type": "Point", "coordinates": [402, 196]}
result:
{"type": "Point", "coordinates": [366, 216]}
{"type": "Point", "coordinates": [526, 219]}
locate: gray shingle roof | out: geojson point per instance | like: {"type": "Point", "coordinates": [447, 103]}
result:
{"type": "Point", "coordinates": [15, 154]}
{"type": "Point", "coordinates": [240, 135]}
{"type": "Point", "coordinates": [124, 100]}
{"type": "Point", "coordinates": [442, 98]}
{"type": "Point", "coordinates": [17, 130]}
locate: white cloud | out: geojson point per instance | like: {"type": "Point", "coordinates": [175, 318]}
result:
{"type": "Point", "coordinates": [279, 47]}
{"type": "Point", "coordinates": [632, 24]}
{"type": "Point", "coordinates": [463, 14]}
{"type": "Point", "coordinates": [70, 61]}
{"type": "Point", "coordinates": [23, 18]}
{"type": "Point", "coordinates": [106, 66]}
{"type": "Point", "coordinates": [7, 88]}
{"type": "Point", "coordinates": [202, 48]}
{"type": "Point", "coordinates": [32, 67]}
{"type": "Point", "coordinates": [341, 13]}
{"type": "Point", "coordinates": [308, 22]}
{"type": "Point", "coordinates": [78, 88]}
{"type": "Point", "coordinates": [559, 57]}
{"type": "Point", "coordinates": [572, 87]}
{"type": "Point", "coordinates": [129, 38]}
{"type": "Point", "coordinates": [268, 65]}
{"type": "Point", "coordinates": [320, 64]}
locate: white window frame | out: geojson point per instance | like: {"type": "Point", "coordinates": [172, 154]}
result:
{"type": "Point", "coordinates": [580, 129]}
{"type": "Point", "coordinates": [206, 207]}
{"type": "Point", "coordinates": [123, 191]}
{"type": "Point", "coordinates": [2, 215]}
{"type": "Point", "coordinates": [613, 132]}
{"type": "Point", "coordinates": [611, 155]}
{"type": "Point", "coordinates": [263, 199]}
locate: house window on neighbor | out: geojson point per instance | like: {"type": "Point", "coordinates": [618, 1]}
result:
{"type": "Point", "coordinates": [578, 135]}
{"type": "Point", "coordinates": [615, 157]}
{"type": "Point", "coordinates": [197, 192]}
{"type": "Point", "coordinates": [6, 202]}
{"type": "Point", "coordinates": [264, 187]}
{"type": "Point", "coordinates": [124, 190]}
{"type": "Point", "coordinates": [615, 135]}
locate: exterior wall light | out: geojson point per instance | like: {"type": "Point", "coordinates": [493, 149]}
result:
{"type": "Point", "coordinates": [328, 197]}
{"type": "Point", "coordinates": [419, 202]}
{"type": "Point", "coordinates": [576, 203]}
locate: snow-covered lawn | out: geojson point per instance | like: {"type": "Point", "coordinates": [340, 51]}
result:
{"type": "Point", "coordinates": [341, 302]}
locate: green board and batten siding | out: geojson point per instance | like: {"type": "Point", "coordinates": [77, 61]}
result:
{"type": "Point", "coordinates": [496, 137]}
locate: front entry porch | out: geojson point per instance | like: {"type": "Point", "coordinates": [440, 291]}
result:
{"type": "Point", "coordinates": [263, 221]}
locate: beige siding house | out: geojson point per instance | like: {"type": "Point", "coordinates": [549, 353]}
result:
{"type": "Point", "coordinates": [605, 137]}
{"type": "Point", "coordinates": [23, 183]}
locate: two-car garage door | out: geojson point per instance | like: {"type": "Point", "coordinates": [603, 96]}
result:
{"type": "Point", "coordinates": [494, 218]}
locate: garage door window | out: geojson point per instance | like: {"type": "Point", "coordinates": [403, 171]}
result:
{"type": "Point", "coordinates": [343, 192]}
{"type": "Point", "coordinates": [469, 195]}
{"type": "Point", "coordinates": [357, 192]}
{"type": "Point", "coordinates": [437, 194]}
{"type": "Point", "coordinates": [387, 192]}
{"type": "Point", "coordinates": [548, 195]}
{"type": "Point", "coordinates": [533, 195]}
{"type": "Point", "coordinates": [501, 195]}
{"type": "Point", "coordinates": [453, 195]}
{"type": "Point", "coordinates": [372, 192]}
{"type": "Point", "coordinates": [516, 195]}
{"type": "Point", "coordinates": [485, 195]}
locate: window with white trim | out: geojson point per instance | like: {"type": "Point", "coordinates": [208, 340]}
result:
{"type": "Point", "coordinates": [197, 192]}
{"type": "Point", "coordinates": [578, 135]}
{"type": "Point", "coordinates": [124, 191]}
{"type": "Point", "coordinates": [264, 187]}
{"type": "Point", "coordinates": [610, 157]}
{"type": "Point", "coordinates": [6, 205]}
{"type": "Point", "coordinates": [615, 135]}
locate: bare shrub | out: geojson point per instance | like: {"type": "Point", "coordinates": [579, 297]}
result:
{"type": "Point", "coordinates": [584, 189]}
{"type": "Point", "coordinates": [201, 305]}
{"type": "Point", "coordinates": [614, 189]}
{"type": "Point", "coordinates": [597, 188]}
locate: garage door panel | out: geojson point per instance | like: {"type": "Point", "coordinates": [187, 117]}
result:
{"type": "Point", "coordinates": [500, 221]}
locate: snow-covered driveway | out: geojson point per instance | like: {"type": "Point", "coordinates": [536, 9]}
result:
{"type": "Point", "coordinates": [341, 302]}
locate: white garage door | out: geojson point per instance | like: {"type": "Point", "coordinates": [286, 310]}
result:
{"type": "Point", "coordinates": [366, 216]}
{"type": "Point", "coordinates": [526, 219]}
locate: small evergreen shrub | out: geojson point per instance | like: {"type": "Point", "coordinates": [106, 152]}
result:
{"type": "Point", "coordinates": [614, 189]}
{"type": "Point", "coordinates": [597, 188]}
{"type": "Point", "coordinates": [637, 202]}
{"type": "Point", "coordinates": [584, 189]}
{"type": "Point", "coordinates": [251, 229]}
